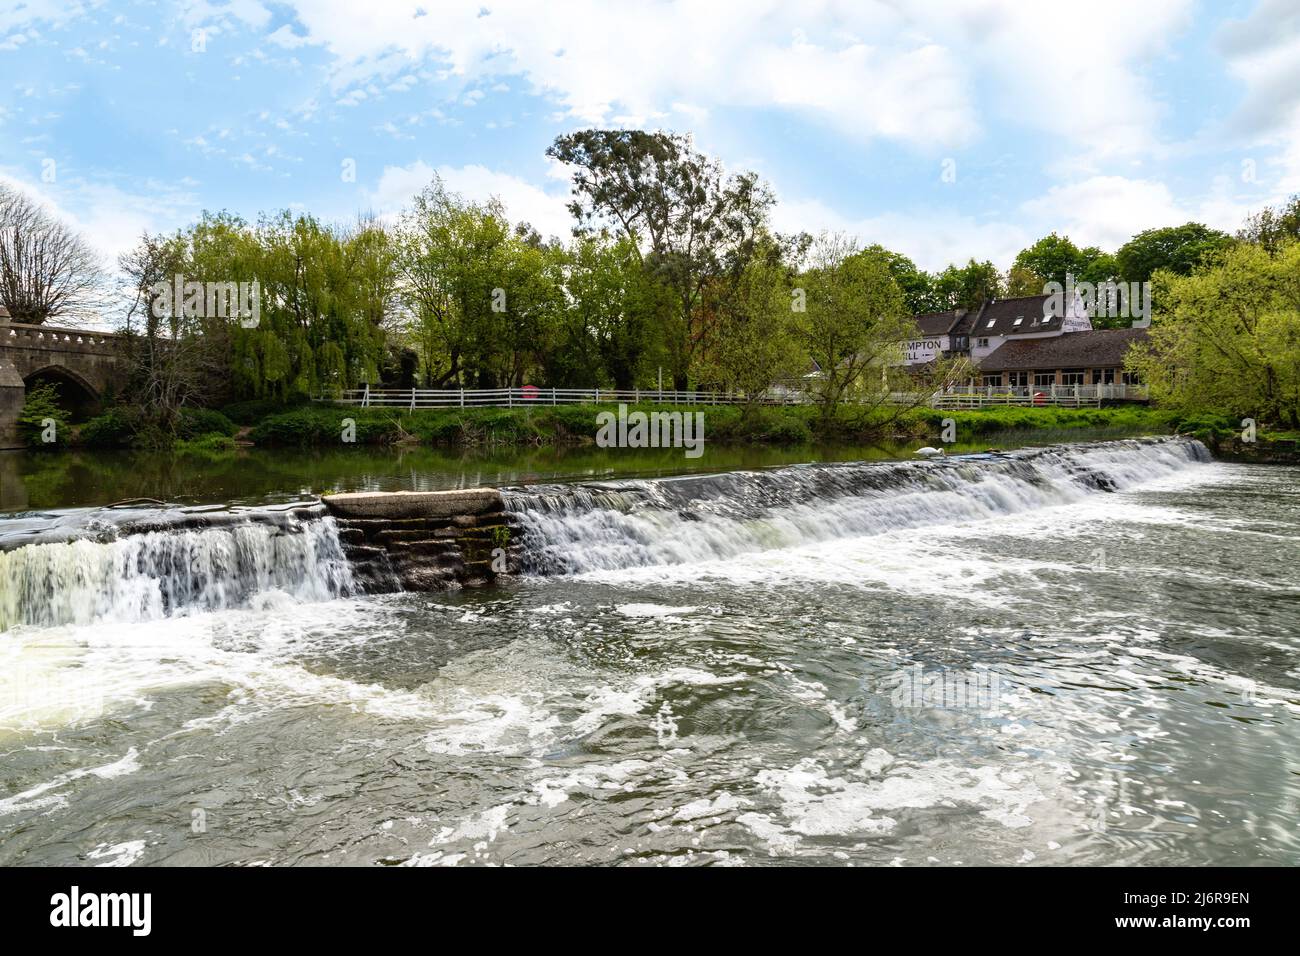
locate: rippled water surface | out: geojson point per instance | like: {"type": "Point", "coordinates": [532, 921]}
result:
{"type": "Point", "coordinates": [743, 670]}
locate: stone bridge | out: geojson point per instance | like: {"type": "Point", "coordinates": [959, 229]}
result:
{"type": "Point", "coordinates": [85, 366]}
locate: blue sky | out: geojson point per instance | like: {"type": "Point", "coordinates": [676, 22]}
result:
{"type": "Point", "coordinates": [1095, 119]}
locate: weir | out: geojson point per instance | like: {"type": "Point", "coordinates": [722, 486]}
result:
{"type": "Point", "coordinates": [143, 565]}
{"type": "Point", "coordinates": [427, 540]}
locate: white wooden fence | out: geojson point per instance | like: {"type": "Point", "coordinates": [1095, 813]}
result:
{"type": "Point", "coordinates": [960, 396]}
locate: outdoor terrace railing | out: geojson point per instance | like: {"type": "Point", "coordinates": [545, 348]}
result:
{"type": "Point", "coordinates": [977, 396]}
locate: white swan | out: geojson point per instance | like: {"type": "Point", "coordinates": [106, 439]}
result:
{"type": "Point", "coordinates": [929, 452]}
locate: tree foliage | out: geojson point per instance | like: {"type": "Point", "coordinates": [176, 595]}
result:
{"type": "Point", "coordinates": [1176, 249]}
{"type": "Point", "coordinates": [691, 223]}
{"type": "Point", "coordinates": [1226, 339]}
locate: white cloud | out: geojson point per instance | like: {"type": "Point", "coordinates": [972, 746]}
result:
{"type": "Point", "coordinates": [1263, 53]}
{"type": "Point", "coordinates": [933, 239]}
{"type": "Point", "coordinates": [1107, 211]}
{"type": "Point", "coordinates": [931, 75]}
{"type": "Point", "coordinates": [524, 202]}
{"type": "Point", "coordinates": [638, 60]}
{"type": "Point", "coordinates": [111, 219]}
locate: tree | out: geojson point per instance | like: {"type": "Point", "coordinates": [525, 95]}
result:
{"type": "Point", "coordinates": [172, 362]}
{"type": "Point", "coordinates": [607, 330]}
{"type": "Point", "coordinates": [42, 406]}
{"type": "Point", "coordinates": [1271, 228]}
{"type": "Point", "coordinates": [1226, 339]}
{"type": "Point", "coordinates": [968, 286]}
{"type": "Point", "coordinates": [1176, 249]}
{"type": "Point", "coordinates": [856, 320]}
{"type": "Point", "coordinates": [691, 225]}
{"type": "Point", "coordinates": [48, 273]}
{"type": "Point", "coordinates": [752, 342]}
{"type": "Point", "coordinates": [1051, 259]}
{"type": "Point", "coordinates": [916, 285]}
{"type": "Point", "coordinates": [451, 260]}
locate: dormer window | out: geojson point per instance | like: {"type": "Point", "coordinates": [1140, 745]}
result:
{"type": "Point", "coordinates": [990, 325]}
{"type": "Point", "coordinates": [1016, 324]}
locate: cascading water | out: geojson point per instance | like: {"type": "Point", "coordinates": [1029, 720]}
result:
{"type": "Point", "coordinates": [162, 573]}
{"type": "Point", "coordinates": [578, 528]}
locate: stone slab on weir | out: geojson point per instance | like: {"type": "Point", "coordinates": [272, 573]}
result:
{"type": "Point", "coordinates": [398, 505]}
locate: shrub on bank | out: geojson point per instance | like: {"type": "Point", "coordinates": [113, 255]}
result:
{"type": "Point", "coordinates": [114, 429]}
{"type": "Point", "coordinates": [41, 407]}
{"type": "Point", "coordinates": [252, 412]}
{"type": "Point", "coordinates": [196, 422]}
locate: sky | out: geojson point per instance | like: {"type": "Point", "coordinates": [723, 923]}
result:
{"type": "Point", "coordinates": [944, 130]}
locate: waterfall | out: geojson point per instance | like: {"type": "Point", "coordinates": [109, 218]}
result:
{"type": "Point", "coordinates": [620, 524]}
{"type": "Point", "coordinates": [175, 571]}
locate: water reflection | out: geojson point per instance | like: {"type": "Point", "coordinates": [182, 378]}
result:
{"type": "Point", "coordinates": [86, 478]}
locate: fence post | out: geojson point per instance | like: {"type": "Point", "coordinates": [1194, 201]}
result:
{"type": "Point", "coordinates": [510, 397]}
{"type": "Point", "coordinates": [552, 394]}
{"type": "Point", "coordinates": [597, 402]}
{"type": "Point", "coordinates": [412, 398]}
{"type": "Point", "coordinates": [365, 399]}
{"type": "Point", "coordinates": [462, 398]}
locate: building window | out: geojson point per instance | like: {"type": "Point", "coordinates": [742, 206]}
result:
{"type": "Point", "coordinates": [1044, 379]}
{"type": "Point", "coordinates": [1016, 324]}
{"type": "Point", "coordinates": [1018, 379]}
{"type": "Point", "coordinates": [1131, 378]}
{"type": "Point", "coordinates": [983, 343]}
{"type": "Point", "coordinates": [1103, 376]}
{"type": "Point", "coordinates": [992, 378]}
{"type": "Point", "coordinates": [990, 323]}
{"type": "Point", "coordinates": [1071, 376]}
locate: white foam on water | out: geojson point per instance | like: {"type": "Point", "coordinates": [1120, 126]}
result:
{"type": "Point", "coordinates": [638, 524]}
{"type": "Point", "coordinates": [145, 577]}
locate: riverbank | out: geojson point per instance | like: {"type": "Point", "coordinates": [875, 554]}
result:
{"type": "Point", "coordinates": [318, 426]}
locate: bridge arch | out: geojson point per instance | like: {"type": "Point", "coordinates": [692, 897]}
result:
{"type": "Point", "coordinates": [78, 396]}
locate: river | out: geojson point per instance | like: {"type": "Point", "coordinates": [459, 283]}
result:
{"type": "Point", "coordinates": [1077, 654]}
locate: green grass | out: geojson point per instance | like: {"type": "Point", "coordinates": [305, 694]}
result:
{"type": "Point", "coordinates": [324, 424]}
{"type": "Point", "coordinates": [305, 426]}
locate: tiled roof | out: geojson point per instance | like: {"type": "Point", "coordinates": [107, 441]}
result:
{"type": "Point", "coordinates": [938, 323]}
{"type": "Point", "coordinates": [999, 317]}
{"type": "Point", "coordinates": [1097, 349]}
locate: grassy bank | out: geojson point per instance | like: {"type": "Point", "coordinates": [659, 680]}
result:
{"type": "Point", "coordinates": [321, 425]}
{"type": "Point", "coordinates": [307, 426]}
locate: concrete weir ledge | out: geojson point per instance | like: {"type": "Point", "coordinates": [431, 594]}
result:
{"type": "Point", "coordinates": [426, 540]}
{"type": "Point", "coordinates": [415, 504]}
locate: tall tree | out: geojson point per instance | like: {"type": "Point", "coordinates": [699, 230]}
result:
{"type": "Point", "coordinates": [1176, 249]}
{"type": "Point", "coordinates": [691, 224]}
{"type": "Point", "coordinates": [48, 273]}
{"type": "Point", "coordinates": [1051, 259]}
{"type": "Point", "coordinates": [451, 260]}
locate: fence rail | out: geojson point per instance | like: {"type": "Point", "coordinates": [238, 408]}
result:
{"type": "Point", "coordinates": [960, 396]}
{"type": "Point", "coordinates": [1074, 396]}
